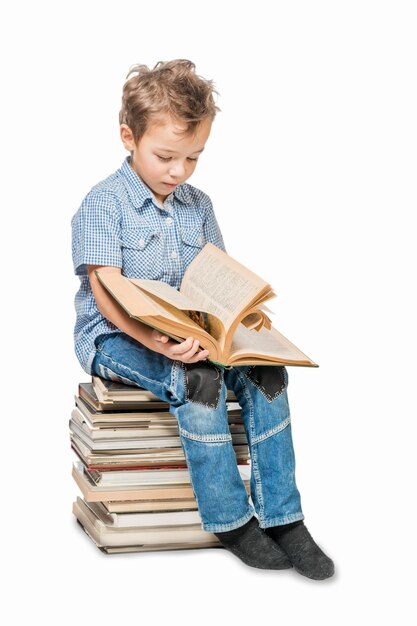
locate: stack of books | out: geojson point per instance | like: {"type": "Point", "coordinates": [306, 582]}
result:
{"type": "Point", "coordinates": [132, 472]}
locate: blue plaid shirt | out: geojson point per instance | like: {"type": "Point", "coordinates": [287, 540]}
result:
{"type": "Point", "coordinates": [121, 224]}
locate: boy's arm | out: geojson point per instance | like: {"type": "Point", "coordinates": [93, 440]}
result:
{"type": "Point", "coordinates": [187, 351]}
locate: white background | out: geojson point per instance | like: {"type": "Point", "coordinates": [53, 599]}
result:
{"type": "Point", "coordinates": [311, 167]}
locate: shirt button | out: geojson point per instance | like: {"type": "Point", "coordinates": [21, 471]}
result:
{"type": "Point", "coordinates": [169, 220]}
{"type": "Point", "coordinates": [141, 243]}
{"type": "Point", "coordinates": [200, 240]}
{"type": "Point", "coordinates": [173, 255]}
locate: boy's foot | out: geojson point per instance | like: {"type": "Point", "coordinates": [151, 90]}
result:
{"type": "Point", "coordinates": [305, 555]}
{"type": "Point", "coordinates": [253, 546]}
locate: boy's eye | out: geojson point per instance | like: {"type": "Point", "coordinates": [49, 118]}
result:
{"type": "Point", "coordinates": [166, 159]}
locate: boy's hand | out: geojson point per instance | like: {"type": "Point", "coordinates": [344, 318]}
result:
{"type": "Point", "coordinates": [186, 352]}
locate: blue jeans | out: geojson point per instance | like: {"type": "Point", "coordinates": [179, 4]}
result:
{"type": "Point", "coordinates": [197, 397]}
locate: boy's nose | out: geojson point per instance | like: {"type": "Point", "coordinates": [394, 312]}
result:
{"type": "Point", "coordinates": [176, 170]}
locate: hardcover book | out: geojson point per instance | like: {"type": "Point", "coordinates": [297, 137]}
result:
{"type": "Point", "coordinates": [220, 302]}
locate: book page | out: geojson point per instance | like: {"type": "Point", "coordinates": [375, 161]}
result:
{"type": "Point", "coordinates": [217, 283]}
{"type": "Point", "coordinates": [165, 292]}
{"type": "Point", "coordinates": [266, 344]}
{"type": "Point", "coordinates": [138, 303]}
{"type": "Point", "coordinates": [256, 320]}
{"type": "Point", "coordinates": [169, 294]}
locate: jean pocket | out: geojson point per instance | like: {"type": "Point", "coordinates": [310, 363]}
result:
{"type": "Point", "coordinates": [142, 252]}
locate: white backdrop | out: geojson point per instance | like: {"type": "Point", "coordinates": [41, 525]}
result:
{"type": "Point", "coordinates": [311, 167]}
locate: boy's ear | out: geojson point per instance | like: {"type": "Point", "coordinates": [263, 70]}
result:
{"type": "Point", "coordinates": [126, 136]}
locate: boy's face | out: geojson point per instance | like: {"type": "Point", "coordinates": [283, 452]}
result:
{"type": "Point", "coordinates": [165, 156]}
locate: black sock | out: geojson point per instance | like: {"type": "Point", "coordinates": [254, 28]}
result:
{"type": "Point", "coordinates": [305, 555]}
{"type": "Point", "coordinates": [236, 533]}
{"type": "Point", "coordinates": [253, 546]}
{"type": "Point", "coordinates": [278, 531]}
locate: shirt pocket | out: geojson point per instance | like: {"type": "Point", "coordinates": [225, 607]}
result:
{"type": "Point", "coordinates": [142, 253]}
{"type": "Point", "coordinates": [193, 241]}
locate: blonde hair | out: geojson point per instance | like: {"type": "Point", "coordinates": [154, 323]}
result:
{"type": "Point", "coordinates": [171, 88]}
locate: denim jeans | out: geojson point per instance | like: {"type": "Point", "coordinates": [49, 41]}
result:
{"type": "Point", "coordinates": [197, 397]}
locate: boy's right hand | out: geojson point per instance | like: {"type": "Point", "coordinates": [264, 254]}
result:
{"type": "Point", "coordinates": [186, 352]}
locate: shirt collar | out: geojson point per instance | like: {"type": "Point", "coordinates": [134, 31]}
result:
{"type": "Point", "coordinates": [139, 193]}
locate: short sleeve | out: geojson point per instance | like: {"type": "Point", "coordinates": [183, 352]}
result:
{"type": "Point", "coordinates": [212, 233]}
{"type": "Point", "coordinates": [96, 233]}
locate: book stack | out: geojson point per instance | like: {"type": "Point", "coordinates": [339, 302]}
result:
{"type": "Point", "coordinates": [132, 473]}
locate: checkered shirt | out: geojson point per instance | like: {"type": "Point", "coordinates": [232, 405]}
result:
{"type": "Point", "coordinates": [121, 224]}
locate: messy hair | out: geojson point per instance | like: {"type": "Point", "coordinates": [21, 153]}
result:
{"type": "Point", "coordinates": [171, 88]}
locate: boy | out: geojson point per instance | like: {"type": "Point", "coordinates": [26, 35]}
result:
{"type": "Point", "coordinates": [145, 221]}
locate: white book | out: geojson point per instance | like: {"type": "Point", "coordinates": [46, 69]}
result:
{"type": "Point", "coordinates": [120, 431]}
{"type": "Point", "coordinates": [149, 506]}
{"type": "Point", "coordinates": [103, 535]}
{"type": "Point", "coordinates": [139, 519]}
{"type": "Point", "coordinates": [124, 493]}
{"type": "Point", "coordinates": [129, 443]}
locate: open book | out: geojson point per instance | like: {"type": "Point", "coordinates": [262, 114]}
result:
{"type": "Point", "coordinates": [220, 303]}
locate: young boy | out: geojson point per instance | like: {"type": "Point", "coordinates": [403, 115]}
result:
{"type": "Point", "coordinates": [146, 221]}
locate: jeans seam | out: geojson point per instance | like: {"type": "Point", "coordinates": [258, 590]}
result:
{"type": "Point", "coordinates": [254, 459]}
{"type": "Point", "coordinates": [188, 464]}
{"type": "Point", "coordinates": [213, 438]}
{"type": "Point", "coordinates": [174, 375]}
{"type": "Point", "coordinates": [272, 432]}
{"type": "Point", "coordinates": [219, 528]}
{"type": "Point", "coordinates": [174, 379]}
{"type": "Point", "coordinates": [280, 520]}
